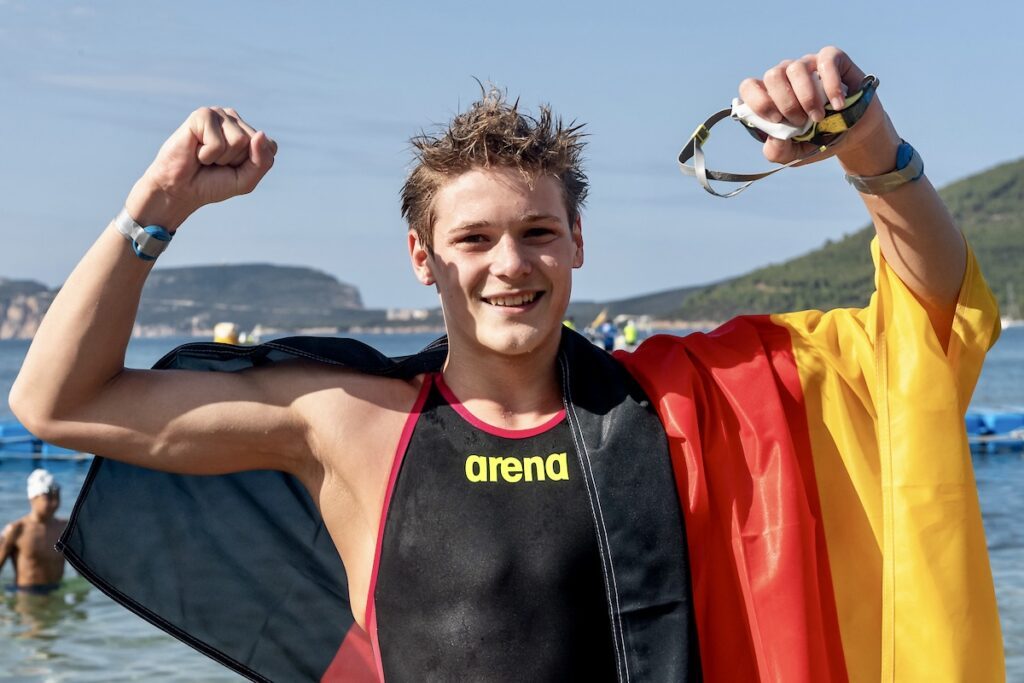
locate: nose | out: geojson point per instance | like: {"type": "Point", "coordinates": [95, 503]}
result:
{"type": "Point", "coordinates": [510, 258]}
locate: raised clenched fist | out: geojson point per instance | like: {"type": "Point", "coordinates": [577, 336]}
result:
{"type": "Point", "coordinates": [214, 155]}
{"type": "Point", "coordinates": [788, 92]}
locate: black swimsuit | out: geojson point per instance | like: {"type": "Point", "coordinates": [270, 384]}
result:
{"type": "Point", "coordinates": [487, 566]}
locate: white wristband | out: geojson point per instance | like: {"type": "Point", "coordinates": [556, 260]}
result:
{"type": "Point", "coordinates": [147, 242]}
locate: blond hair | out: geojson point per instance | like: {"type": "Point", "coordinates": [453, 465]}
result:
{"type": "Point", "coordinates": [494, 133]}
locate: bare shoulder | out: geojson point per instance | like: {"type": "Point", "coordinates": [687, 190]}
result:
{"type": "Point", "coordinates": [355, 422]}
{"type": "Point", "coordinates": [346, 407]}
{"type": "Point", "coordinates": [308, 383]}
{"type": "Point", "coordinates": [12, 531]}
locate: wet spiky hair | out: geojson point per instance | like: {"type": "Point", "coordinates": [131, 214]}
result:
{"type": "Point", "coordinates": [494, 133]}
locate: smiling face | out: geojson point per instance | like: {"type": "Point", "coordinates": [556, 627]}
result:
{"type": "Point", "coordinates": [502, 261]}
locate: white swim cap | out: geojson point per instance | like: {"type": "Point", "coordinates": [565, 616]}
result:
{"type": "Point", "coordinates": [41, 482]}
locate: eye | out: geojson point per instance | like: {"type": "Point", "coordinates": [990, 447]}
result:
{"type": "Point", "coordinates": [472, 238]}
{"type": "Point", "coordinates": [540, 232]}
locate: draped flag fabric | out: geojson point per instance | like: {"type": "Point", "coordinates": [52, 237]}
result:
{"type": "Point", "coordinates": [828, 492]}
{"type": "Point", "coordinates": [820, 460]}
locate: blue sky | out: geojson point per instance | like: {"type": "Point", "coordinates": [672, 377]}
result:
{"type": "Point", "coordinates": [91, 90]}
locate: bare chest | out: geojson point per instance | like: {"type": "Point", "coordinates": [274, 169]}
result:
{"type": "Point", "coordinates": [37, 560]}
{"type": "Point", "coordinates": [352, 496]}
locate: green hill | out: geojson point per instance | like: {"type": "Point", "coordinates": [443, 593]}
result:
{"type": "Point", "coordinates": [197, 297]}
{"type": "Point", "coordinates": [989, 207]}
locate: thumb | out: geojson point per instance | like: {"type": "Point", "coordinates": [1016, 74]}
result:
{"type": "Point", "coordinates": [779, 151]}
{"type": "Point", "coordinates": [785, 151]}
{"type": "Point", "coordinates": [262, 151]}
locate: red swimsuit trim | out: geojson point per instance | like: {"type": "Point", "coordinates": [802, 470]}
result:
{"type": "Point", "coordinates": [472, 419]}
{"type": "Point", "coordinates": [403, 443]}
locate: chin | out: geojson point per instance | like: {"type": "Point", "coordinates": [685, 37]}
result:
{"type": "Point", "coordinates": [518, 343]}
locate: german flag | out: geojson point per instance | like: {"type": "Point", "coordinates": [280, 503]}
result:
{"type": "Point", "coordinates": [828, 492]}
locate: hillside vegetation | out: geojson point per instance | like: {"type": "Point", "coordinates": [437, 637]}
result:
{"type": "Point", "coordinates": [989, 207]}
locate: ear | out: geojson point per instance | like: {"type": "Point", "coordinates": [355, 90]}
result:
{"type": "Point", "coordinates": [421, 259]}
{"type": "Point", "coordinates": [577, 239]}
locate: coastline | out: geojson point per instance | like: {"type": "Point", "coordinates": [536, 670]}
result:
{"type": "Point", "coordinates": [168, 332]}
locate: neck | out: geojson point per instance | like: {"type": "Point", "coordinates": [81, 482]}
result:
{"type": "Point", "coordinates": [41, 518]}
{"type": "Point", "coordinates": [514, 392]}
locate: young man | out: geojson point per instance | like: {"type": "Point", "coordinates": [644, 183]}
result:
{"type": "Point", "coordinates": [506, 505]}
{"type": "Point", "coordinates": [29, 542]}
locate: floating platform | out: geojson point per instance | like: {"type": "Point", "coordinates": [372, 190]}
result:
{"type": "Point", "coordinates": [17, 443]}
{"type": "Point", "coordinates": [990, 430]}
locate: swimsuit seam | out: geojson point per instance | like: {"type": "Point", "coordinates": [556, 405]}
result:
{"type": "Point", "coordinates": [611, 589]}
{"type": "Point", "coordinates": [304, 354]}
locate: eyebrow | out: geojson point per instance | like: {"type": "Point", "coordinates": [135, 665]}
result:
{"type": "Point", "coordinates": [534, 217]}
{"type": "Point", "coordinates": [525, 218]}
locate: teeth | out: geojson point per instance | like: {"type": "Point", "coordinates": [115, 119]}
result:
{"type": "Point", "coordinates": [517, 300]}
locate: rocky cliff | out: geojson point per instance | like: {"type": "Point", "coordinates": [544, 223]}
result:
{"type": "Point", "coordinates": [22, 305]}
{"type": "Point", "coordinates": [184, 301]}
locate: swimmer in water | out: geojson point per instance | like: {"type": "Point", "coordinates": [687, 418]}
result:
{"type": "Point", "coordinates": [30, 540]}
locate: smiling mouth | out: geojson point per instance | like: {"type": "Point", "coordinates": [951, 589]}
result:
{"type": "Point", "coordinates": [513, 301]}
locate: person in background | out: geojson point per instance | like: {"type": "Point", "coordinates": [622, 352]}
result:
{"type": "Point", "coordinates": [29, 541]}
{"type": "Point", "coordinates": [608, 332]}
{"type": "Point", "coordinates": [629, 333]}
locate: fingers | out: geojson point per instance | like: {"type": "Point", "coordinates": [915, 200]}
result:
{"type": "Point", "coordinates": [754, 93]}
{"type": "Point", "coordinates": [223, 136]}
{"type": "Point", "coordinates": [790, 89]}
{"type": "Point", "coordinates": [204, 125]}
{"type": "Point", "coordinates": [259, 160]}
{"type": "Point", "coordinates": [237, 138]}
{"type": "Point", "coordinates": [782, 93]}
{"type": "Point", "coordinates": [227, 156]}
{"type": "Point", "coordinates": [788, 92]}
{"type": "Point", "coordinates": [798, 90]}
{"type": "Point", "coordinates": [837, 70]}
{"type": "Point", "coordinates": [806, 87]}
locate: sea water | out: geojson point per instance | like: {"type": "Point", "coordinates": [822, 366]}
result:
{"type": "Point", "coordinates": [78, 634]}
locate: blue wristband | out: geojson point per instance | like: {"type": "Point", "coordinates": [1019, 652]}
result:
{"type": "Point", "coordinates": [157, 233]}
{"type": "Point", "coordinates": [909, 168]}
{"type": "Point", "coordinates": [147, 242]}
{"type": "Point", "coordinates": [904, 155]}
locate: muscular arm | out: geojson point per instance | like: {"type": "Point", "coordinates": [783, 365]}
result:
{"type": "Point", "coordinates": [916, 233]}
{"type": "Point", "coordinates": [73, 389]}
